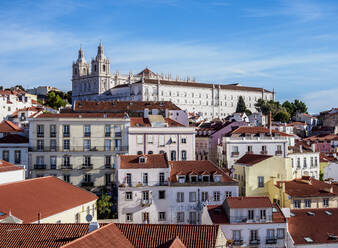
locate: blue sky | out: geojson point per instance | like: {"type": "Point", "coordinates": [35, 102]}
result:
{"type": "Point", "coordinates": [289, 45]}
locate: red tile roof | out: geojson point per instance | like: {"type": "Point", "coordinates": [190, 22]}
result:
{"type": "Point", "coordinates": [39, 235]}
{"type": "Point", "coordinates": [104, 237]}
{"type": "Point", "coordinates": [155, 235]}
{"type": "Point", "coordinates": [46, 195]}
{"type": "Point", "coordinates": [9, 127]}
{"type": "Point", "coordinates": [13, 139]}
{"type": "Point", "coordinates": [252, 159]}
{"type": "Point", "coordinates": [82, 115]}
{"type": "Point", "coordinates": [317, 227]}
{"type": "Point", "coordinates": [198, 167]}
{"type": "Point", "coordinates": [122, 106]}
{"type": "Point", "coordinates": [257, 130]}
{"type": "Point", "coordinates": [5, 166]}
{"type": "Point", "coordinates": [146, 72]}
{"type": "Point", "coordinates": [152, 161]}
{"type": "Point", "coordinates": [308, 187]}
{"type": "Point", "coordinates": [144, 122]}
{"type": "Point", "coordinates": [324, 137]}
{"type": "Point", "coordinates": [249, 202]}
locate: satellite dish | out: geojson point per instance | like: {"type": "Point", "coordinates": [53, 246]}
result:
{"type": "Point", "coordinates": [89, 218]}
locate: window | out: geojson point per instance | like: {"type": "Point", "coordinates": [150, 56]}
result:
{"type": "Point", "coordinates": [150, 139]}
{"type": "Point", "coordinates": [296, 203]}
{"type": "Point", "coordinates": [205, 196]}
{"type": "Point", "coordinates": [184, 155]}
{"type": "Point", "coordinates": [52, 145]}
{"type": "Point", "coordinates": [264, 149]}
{"type": "Point", "coordinates": [40, 145]}
{"type": "Point", "coordinates": [192, 218]}
{"type": "Point", "coordinates": [40, 130]}
{"type": "Point", "coordinates": [107, 145]}
{"type": "Point", "coordinates": [235, 149]}
{"type": "Point", "coordinates": [316, 162]}
{"type": "Point", "coordinates": [180, 217]}
{"type": "Point", "coordinates": [53, 162]}
{"type": "Point", "coordinates": [161, 194]}
{"type": "Point", "coordinates": [173, 155]}
{"type": "Point", "coordinates": [17, 157]}
{"type": "Point", "coordinates": [280, 233]}
{"type": "Point", "coordinates": [77, 218]}
{"type": "Point", "coordinates": [228, 194]}
{"type": "Point", "coordinates": [145, 178]}
{"type": "Point", "coordinates": [249, 149]}
{"type": "Point", "coordinates": [260, 182]}
{"type": "Point", "coordinates": [304, 163]}
{"type": "Point", "coordinates": [253, 235]}
{"type": "Point", "coordinates": [5, 155]}
{"type": "Point", "coordinates": [107, 131]}
{"type": "Point", "coordinates": [184, 140]}
{"type": "Point", "coordinates": [192, 196]}
{"type": "Point", "coordinates": [129, 182]}
{"type": "Point", "coordinates": [279, 148]}
{"type": "Point", "coordinates": [161, 140]}
{"type": "Point", "coordinates": [87, 161]}
{"type": "Point", "coordinates": [129, 196]}
{"type": "Point", "coordinates": [139, 153]}
{"type": "Point", "coordinates": [180, 197]}
{"type": "Point", "coordinates": [311, 163]}
{"type": "Point", "coordinates": [139, 139]}
{"type": "Point", "coordinates": [129, 217]}
{"type": "Point", "coordinates": [263, 214]}
{"type": "Point", "coordinates": [173, 139]}
{"type": "Point", "coordinates": [325, 202]}
{"type": "Point", "coordinates": [250, 214]}
{"type": "Point", "coordinates": [307, 203]}
{"type": "Point", "coordinates": [217, 195]}
{"type": "Point", "coordinates": [118, 145]}
{"type": "Point", "coordinates": [66, 131]}
{"type": "Point", "coordinates": [66, 144]}
{"type": "Point", "coordinates": [270, 233]}
{"type": "Point", "coordinates": [298, 163]}
{"type": "Point", "coordinates": [161, 178]}
{"type": "Point", "coordinates": [236, 235]}
{"type": "Point", "coordinates": [161, 216]}
{"type": "Point", "coordinates": [108, 179]}
{"type": "Point", "coordinates": [86, 145]}
{"type": "Point", "coordinates": [87, 178]}
{"type": "Point", "coordinates": [66, 161]}
{"type": "Point", "coordinates": [117, 130]}
{"type": "Point", "coordinates": [66, 178]}
{"type": "Point", "coordinates": [107, 161]}
{"type": "Point", "coordinates": [150, 152]}
{"type": "Point", "coordinates": [52, 131]}
{"type": "Point", "coordinates": [145, 217]}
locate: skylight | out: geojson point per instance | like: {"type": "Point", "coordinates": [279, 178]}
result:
{"type": "Point", "coordinates": [328, 212]}
{"type": "Point", "coordinates": [310, 213]}
{"type": "Point", "coordinates": [308, 239]}
{"type": "Point", "coordinates": [1, 214]}
{"type": "Point", "coordinates": [292, 214]}
{"type": "Point", "coordinates": [274, 210]}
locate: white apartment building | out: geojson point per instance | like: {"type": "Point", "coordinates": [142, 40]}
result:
{"type": "Point", "coordinates": [79, 148]}
{"type": "Point", "coordinates": [95, 82]}
{"type": "Point", "coordinates": [156, 135]}
{"type": "Point", "coordinates": [255, 140]}
{"type": "Point", "coordinates": [14, 149]}
{"type": "Point", "coordinates": [10, 173]}
{"type": "Point", "coordinates": [249, 222]}
{"type": "Point", "coordinates": [305, 163]}
{"type": "Point", "coordinates": [152, 189]}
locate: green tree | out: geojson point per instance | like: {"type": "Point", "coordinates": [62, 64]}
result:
{"type": "Point", "coordinates": [290, 107]}
{"type": "Point", "coordinates": [300, 106]}
{"type": "Point", "coordinates": [55, 101]}
{"type": "Point", "coordinates": [240, 105]}
{"type": "Point", "coordinates": [282, 116]}
{"type": "Point", "coordinates": [248, 112]}
{"type": "Point", "coordinates": [104, 206]}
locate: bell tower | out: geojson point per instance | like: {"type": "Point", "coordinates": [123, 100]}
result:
{"type": "Point", "coordinates": [100, 70]}
{"type": "Point", "coordinates": [80, 67]}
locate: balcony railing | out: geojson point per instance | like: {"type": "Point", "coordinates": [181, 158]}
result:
{"type": "Point", "coordinates": [140, 184]}
{"type": "Point", "coordinates": [87, 166]}
{"type": "Point", "coordinates": [39, 166]}
{"type": "Point", "coordinates": [107, 134]}
{"type": "Point", "coordinates": [249, 152]}
{"type": "Point", "coordinates": [66, 134]}
{"type": "Point", "coordinates": [238, 242]}
{"type": "Point", "coordinates": [66, 166]}
{"type": "Point", "coordinates": [40, 135]}
{"type": "Point", "coordinates": [279, 153]}
{"type": "Point", "coordinates": [87, 184]}
{"type": "Point", "coordinates": [234, 154]}
{"type": "Point", "coordinates": [271, 241]}
{"type": "Point", "coordinates": [87, 134]}
{"type": "Point", "coordinates": [146, 203]}
{"type": "Point", "coordinates": [118, 134]}
{"type": "Point", "coordinates": [264, 152]}
{"type": "Point", "coordinates": [254, 242]}
{"type": "Point", "coordinates": [78, 149]}
{"type": "Point", "coordinates": [52, 134]}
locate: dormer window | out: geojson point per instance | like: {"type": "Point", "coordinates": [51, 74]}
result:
{"type": "Point", "coordinates": [181, 178]}
{"type": "Point", "coordinates": [205, 178]}
{"type": "Point", "coordinates": [193, 178]}
{"type": "Point", "coordinates": [142, 160]}
{"type": "Point", "coordinates": [217, 178]}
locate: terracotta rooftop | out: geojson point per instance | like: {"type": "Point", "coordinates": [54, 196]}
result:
{"type": "Point", "coordinates": [308, 187]}
{"type": "Point", "coordinates": [82, 115]}
{"type": "Point", "coordinates": [105, 237]}
{"type": "Point", "coordinates": [146, 72]}
{"type": "Point", "coordinates": [46, 195]}
{"type": "Point", "coordinates": [317, 227]}
{"type": "Point", "coordinates": [197, 167]}
{"type": "Point", "coordinates": [122, 106]}
{"type": "Point", "coordinates": [144, 122]}
{"type": "Point", "coordinates": [249, 202]}
{"type": "Point", "coordinates": [40, 235]}
{"type": "Point", "coordinates": [258, 130]}
{"type": "Point", "coordinates": [296, 123]}
{"type": "Point", "coordinates": [14, 139]}
{"type": "Point", "coordinates": [151, 161]}
{"type": "Point", "coordinates": [5, 166]}
{"type": "Point", "coordinates": [9, 127]}
{"type": "Point", "coordinates": [158, 235]}
{"type": "Point", "coordinates": [252, 159]}
{"type": "Point", "coordinates": [324, 137]}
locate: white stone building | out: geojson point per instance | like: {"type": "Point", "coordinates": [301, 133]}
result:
{"type": "Point", "coordinates": [95, 82]}
{"type": "Point", "coordinates": [155, 134]}
{"type": "Point", "coordinates": [255, 140]}
{"type": "Point", "coordinates": [249, 222]}
{"type": "Point", "coordinates": [304, 162]}
{"type": "Point", "coordinates": [152, 189]}
{"type": "Point", "coordinates": [10, 173]}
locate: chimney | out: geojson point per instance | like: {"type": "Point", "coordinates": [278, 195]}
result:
{"type": "Point", "coordinates": [93, 226]}
{"type": "Point", "coordinates": [313, 147]}
{"type": "Point", "coordinates": [270, 122]}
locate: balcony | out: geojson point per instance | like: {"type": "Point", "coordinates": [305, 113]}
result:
{"type": "Point", "coordinates": [249, 152]}
{"type": "Point", "coordinates": [87, 184]}
{"type": "Point", "coordinates": [254, 242]}
{"type": "Point", "coordinates": [87, 134]}
{"type": "Point", "coordinates": [66, 166]}
{"type": "Point", "coordinates": [118, 134]}
{"type": "Point", "coordinates": [87, 166]}
{"type": "Point", "coordinates": [66, 134]}
{"type": "Point", "coordinates": [40, 135]}
{"type": "Point", "coordinates": [271, 241]}
{"type": "Point", "coordinates": [52, 134]}
{"type": "Point", "coordinates": [39, 166]}
{"type": "Point", "coordinates": [264, 152]}
{"type": "Point", "coordinates": [234, 154]}
{"type": "Point", "coordinates": [140, 184]}
{"type": "Point", "coordinates": [278, 153]}
{"type": "Point", "coordinates": [107, 134]}
{"type": "Point", "coordinates": [146, 203]}
{"type": "Point", "coordinates": [238, 242]}
{"type": "Point", "coordinates": [77, 149]}
{"type": "Point", "coordinates": [108, 166]}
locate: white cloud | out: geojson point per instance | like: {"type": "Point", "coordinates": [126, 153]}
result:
{"type": "Point", "coordinates": [321, 100]}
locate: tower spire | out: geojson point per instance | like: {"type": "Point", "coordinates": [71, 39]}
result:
{"type": "Point", "coordinates": [100, 54]}
{"type": "Point", "coordinates": [81, 58]}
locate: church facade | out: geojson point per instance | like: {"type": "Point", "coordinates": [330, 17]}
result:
{"type": "Point", "coordinates": [95, 82]}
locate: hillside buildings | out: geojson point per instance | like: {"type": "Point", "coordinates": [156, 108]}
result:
{"type": "Point", "coordinates": [96, 82]}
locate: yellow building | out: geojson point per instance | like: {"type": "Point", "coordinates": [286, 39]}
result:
{"type": "Point", "coordinates": [255, 173]}
{"type": "Point", "coordinates": [305, 192]}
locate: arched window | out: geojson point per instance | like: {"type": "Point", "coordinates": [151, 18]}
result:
{"type": "Point", "coordinates": [173, 155]}
{"type": "Point", "coordinates": [184, 155]}
{"type": "Point", "coordinates": [75, 71]}
{"type": "Point", "coordinates": [94, 67]}
{"type": "Point", "coordinates": [150, 152]}
{"type": "Point", "coordinates": [84, 70]}
{"type": "Point", "coordinates": [139, 153]}
{"type": "Point", "coordinates": [104, 67]}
